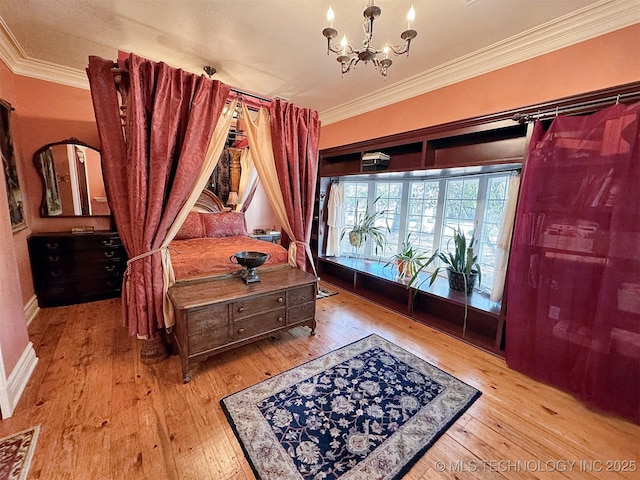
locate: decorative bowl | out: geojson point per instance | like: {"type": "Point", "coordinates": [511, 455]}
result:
{"type": "Point", "coordinates": [249, 259]}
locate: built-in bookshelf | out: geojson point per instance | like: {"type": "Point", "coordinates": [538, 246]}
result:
{"type": "Point", "coordinates": [437, 305]}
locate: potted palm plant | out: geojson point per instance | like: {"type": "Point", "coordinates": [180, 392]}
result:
{"type": "Point", "coordinates": [409, 259]}
{"type": "Point", "coordinates": [367, 226]}
{"type": "Point", "coordinates": [461, 265]}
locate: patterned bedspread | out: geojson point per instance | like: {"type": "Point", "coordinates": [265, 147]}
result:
{"type": "Point", "coordinates": [204, 257]}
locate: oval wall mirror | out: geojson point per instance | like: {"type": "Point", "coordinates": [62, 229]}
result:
{"type": "Point", "coordinates": [72, 183]}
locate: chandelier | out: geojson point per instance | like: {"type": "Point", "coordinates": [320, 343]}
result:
{"type": "Point", "coordinates": [349, 56]}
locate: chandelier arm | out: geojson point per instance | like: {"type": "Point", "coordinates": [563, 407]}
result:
{"type": "Point", "coordinates": [397, 50]}
{"type": "Point", "coordinates": [346, 66]}
{"type": "Point", "coordinates": [339, 49]}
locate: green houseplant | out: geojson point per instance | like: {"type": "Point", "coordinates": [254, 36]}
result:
{"type": "Point", "coordinates": [366, 226]}
{"type": "Point", "coordinates": [461, 264]}
{"type": "Point", "coordinates": [409, 259]}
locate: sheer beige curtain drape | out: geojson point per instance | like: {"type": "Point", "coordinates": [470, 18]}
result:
{"type": "Point", "coordinates": [211, 160]}
{"type": "Point", "coordinates": [504, 238]}
{"type": "Point", "coordinates": [259, 137]}
{"type": "Point", "coordinates": [248, 178]}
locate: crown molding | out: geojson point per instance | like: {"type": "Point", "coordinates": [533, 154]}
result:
{"type": "Point", "coordinates": [17, 60]}
{"type": "Point", "coordinates": [589, 22]}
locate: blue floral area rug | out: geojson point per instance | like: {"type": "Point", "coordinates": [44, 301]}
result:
{"type": "Point", "coordinates": [369, 410]}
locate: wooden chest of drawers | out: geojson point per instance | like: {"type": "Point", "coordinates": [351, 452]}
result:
{"type": "Point", "coordinates": [221, 313]}
{"type": "Point", "coordinates": [70, 268]}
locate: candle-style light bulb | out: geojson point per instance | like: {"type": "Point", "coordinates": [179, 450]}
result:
{"type": "Point", "coordinates": [330, 16]}
{"type": "Point", "coordinates": [385, 50]}
{"type": "Point", "coordinates": [343, 42]}
{"type": "Point", "coordinates": [411, 16]}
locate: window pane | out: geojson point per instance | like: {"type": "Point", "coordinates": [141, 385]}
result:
{"type": "Point", "coordinates": [355, 204]}
{"type": "Point", "coordinates": [460, 205]}
{"type": "Point", "coordinates": [390, 202]}
{"type": "Point", "coordinates": [494, 210]}
{"type": "Point", "coordinates": [423, 208]}
{"type": "Point", "coordinates": [455, 188]}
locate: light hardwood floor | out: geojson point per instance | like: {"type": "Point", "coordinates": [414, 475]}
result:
{"type": "Point", "coordinates": [104, 415]}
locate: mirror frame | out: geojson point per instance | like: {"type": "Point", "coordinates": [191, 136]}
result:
{"type": "Point", "coordinates": [44, 209]}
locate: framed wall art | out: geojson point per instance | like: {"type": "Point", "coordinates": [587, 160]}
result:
{"type": "Point", "coordinates": [14, 195]}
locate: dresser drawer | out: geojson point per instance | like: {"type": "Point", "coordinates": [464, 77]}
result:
{"type": "Point", "coordinates": [204, 318]}
{"type": "Point", "coordinates": [298, 313]}
{"type": "Point", "coordinates": [53, 294]}
{"type": "Point", "coordinates": [253, 306]}
{"type": "Point", "coordinates": [71, 271]}
{"type": "Point", "coordinates": [265, 322]}
{"type": "Point", "coordinates": [75, 242]}
{"type": "Point", "coordinates": [106, 253]}
{"type": "Point", "coordinates": [300, 295]}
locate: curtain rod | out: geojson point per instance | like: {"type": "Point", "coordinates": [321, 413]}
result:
{"type": "Point", "coordinates": [576, 108]}
{"type": "Point", "coordinates": [238, 91]}
{"type": "Point", "coordinates": [244, 93]}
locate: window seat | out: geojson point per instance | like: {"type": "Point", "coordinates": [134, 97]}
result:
{"type": "Point", "coordinates": [436, 306]}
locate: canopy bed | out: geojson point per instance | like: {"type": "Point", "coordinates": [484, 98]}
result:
{"type": "Point", "coordinates": [214, 309]}
{"type": "Point", "coordinates": [162, 131]}
{"type": "Point", "coordinates": [209, 236]}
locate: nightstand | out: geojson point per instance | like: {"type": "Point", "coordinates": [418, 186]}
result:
{"type": "Point", "coordinates": [273, 237]}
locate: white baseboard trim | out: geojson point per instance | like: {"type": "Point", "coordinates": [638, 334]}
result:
{"type": "Point", "coordinates": [31, 309]}
{"type": "Point", "coordinates": [11, 390]}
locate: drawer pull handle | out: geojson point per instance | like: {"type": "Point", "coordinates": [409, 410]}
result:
{"type": "Point", "coordinates": [280, 319]}
{"type": "Point", "coordinates": [56, 273]}
{"type": "Point", "coordinates": [52, 246]}
{"type": "Point", "coordinates": [110, 268]}
{"type": "Point", "coordinates": [109, 254]}
{"type": "Point", "coordinates": [107, 243]}
{"type": "Point", "coordinates": [280, 299]}
{"type": "Point", "coordinates": [241, 330]}
{"type": "Point", "coordinates": [54, 258]}
{"type": "Point", "coordinates": [240, 309]}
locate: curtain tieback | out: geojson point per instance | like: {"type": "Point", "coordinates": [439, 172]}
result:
{"type": "Point", "coordinates": [300, 242]}
{"type": "Point", "coordinates": [127, 271]}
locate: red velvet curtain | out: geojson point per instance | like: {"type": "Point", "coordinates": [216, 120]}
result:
{"type": "Point", "coordinates": [573, 313]}
{"type": "Point", "coordinates": [151, 167]}
{"type": "Point", "coordinates": [295, 133]}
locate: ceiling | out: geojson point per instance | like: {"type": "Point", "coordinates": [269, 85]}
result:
{"type": "Point", "coordinates": [276, 48]}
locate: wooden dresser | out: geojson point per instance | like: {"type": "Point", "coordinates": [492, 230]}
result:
{"type": "Point", "coordinates": [221, 313]}
{"type": "Point", "coordinates": [70, 268]}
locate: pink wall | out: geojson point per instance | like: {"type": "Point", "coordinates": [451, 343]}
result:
{"type": "Point", "coordinates": [260, 214]}
{"type": "Point", "coordinates": [605, 61]}
{"type": "Point", "coordinates": [13, 333]}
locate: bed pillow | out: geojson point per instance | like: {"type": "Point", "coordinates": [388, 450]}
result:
{"type": "Point", "coordinates": [224, 224]}
{"type": "Point", "coordinates": [191, 228]}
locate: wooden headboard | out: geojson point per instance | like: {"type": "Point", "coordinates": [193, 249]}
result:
{"type": "Point", "coordinates": [209, 202]}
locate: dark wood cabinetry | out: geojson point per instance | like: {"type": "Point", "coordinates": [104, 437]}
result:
{"type": "Point", "coordinates": [436, 306]}
{"type": "Point", "coordinates": [217, 314]}
{"type": "Point", "coordinates": [458, 145]}
{"type": "Point", "coordinates": [469, 146]}
{"type": "Point", "coordinates": [70, 268]}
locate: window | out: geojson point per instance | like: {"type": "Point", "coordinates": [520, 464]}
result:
{"type": "Point", "coordinates": [429, 209]}
{"type": "Point", "coordinates": [389, 195]}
